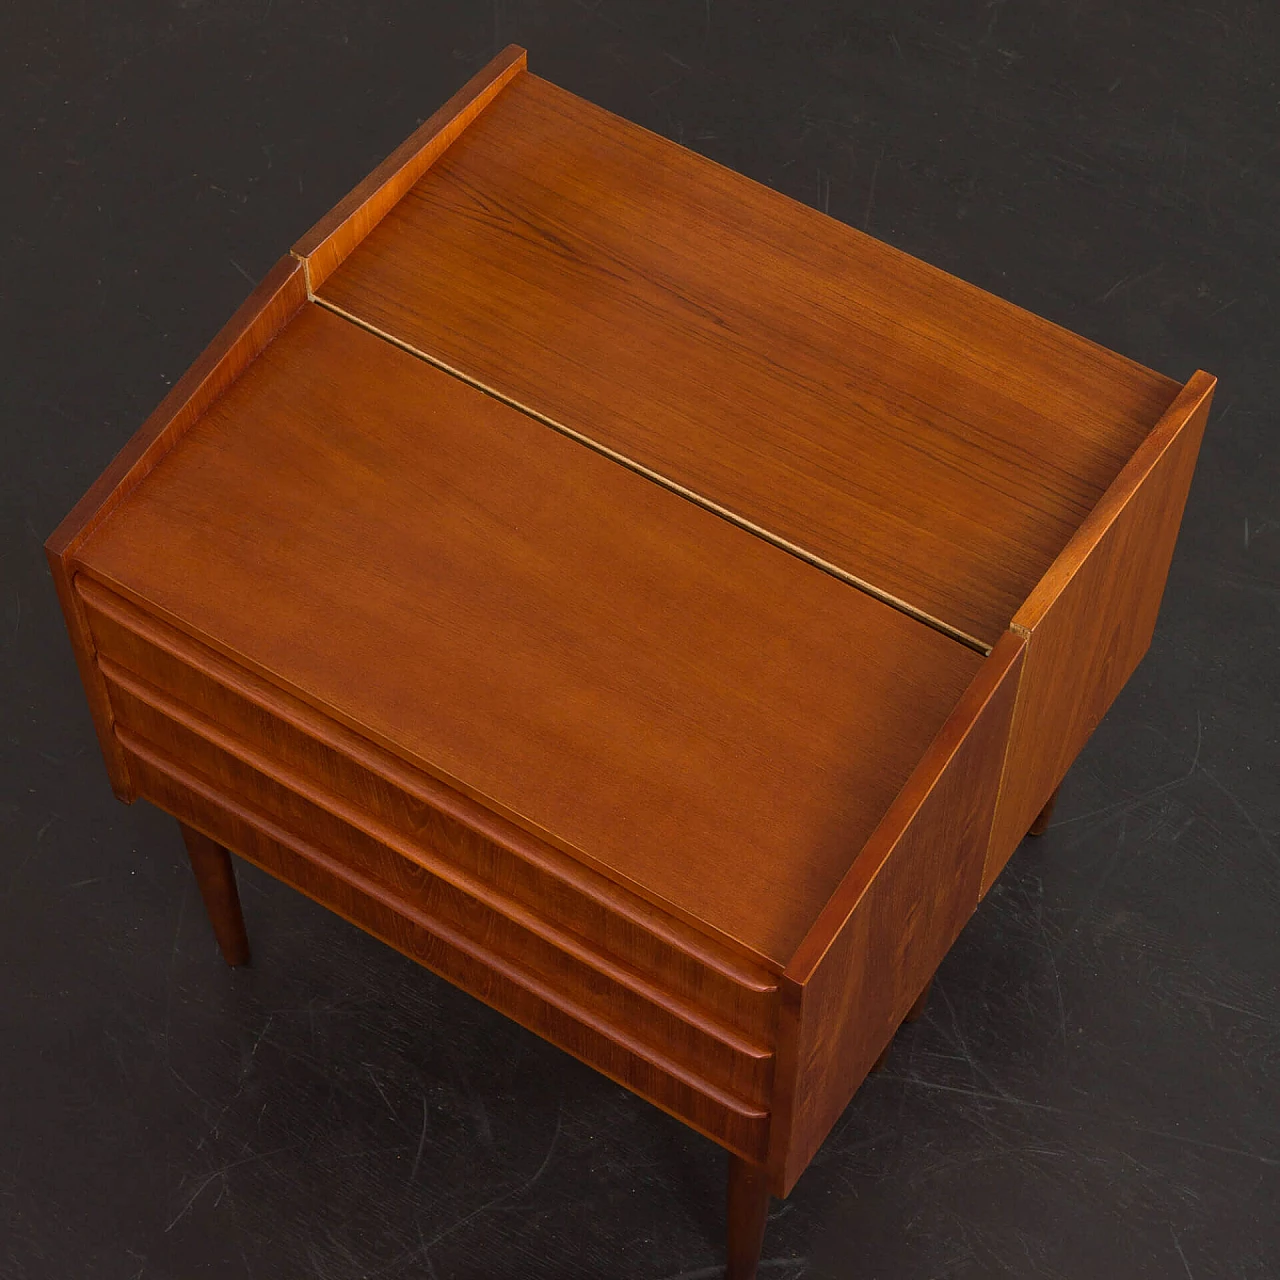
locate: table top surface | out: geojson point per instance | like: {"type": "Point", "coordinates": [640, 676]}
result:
{"type": "Point", "coordinates": [704, 716]}
{"type": "Point", "coordinates": [925, 438]}
{"type": "Point", "coordinates": [657, 512]}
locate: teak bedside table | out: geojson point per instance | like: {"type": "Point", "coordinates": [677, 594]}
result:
{"type": "Point", "coordinates": [646, 602]}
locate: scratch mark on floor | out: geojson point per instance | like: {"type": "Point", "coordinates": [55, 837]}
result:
{"type": "Point", "coordinates": [182, 1213]}
{"type": "Point", "coordinates": [960, 1041]}
{"type": "Point", "coordinates": [1262, 835]}
{"type": "Point", "coordinates": [253, 1052]}
{"type": "Point", "coordinates": [426, 1255]}
{"type": "Point", "coordinates": [222, 1173]}
{"type": "Point", "coordinates": [714, 1273]}
{"type": "Point", "coordinates": [506, 1195]}
{"type": "Point", "coordinates": [173, 964]}
{"type": "Point", "coordinates": [1177, 1244]}
{"type": "Point", "coordinates": [871, 193]}
{"type": "Point", "coordinates": [1251, 536]}
{"type": "Point", "coordinates": [917, 1083]}
{"type": "Point", "coordinates": [1234, 1008]}
{"type": "Point", "coordinates": [422, 1142]}
{"type": "Point", "coordinates": [1127, 281]}
{"type": "Point", "coordinates": [381, 1092]}
{"type": "Point", "coordinates": [1134, 802]}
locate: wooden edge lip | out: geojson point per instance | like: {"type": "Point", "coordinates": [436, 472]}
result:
{"type": "Point", "coordinates": [402, 168]}
{"type": "Point", "coordinates": [826, 928]}
{"type": "Point", "coordinates": [1193, 399]}
{"type": "Point", "coordinates": [281, 290]}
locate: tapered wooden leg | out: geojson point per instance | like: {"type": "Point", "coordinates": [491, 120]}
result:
{"type": "Point", "coordinates": [217, 880]}
{"type": "Point", "coordinates": [748, 1208]}
{"type": "Point", "coordinates": [1041, 824]}
{"type": "Point", "coordinates": [916, 1012]}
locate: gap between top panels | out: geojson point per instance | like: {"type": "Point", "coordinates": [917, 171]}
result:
{"type": "Point", "coordinates": [656, 477]}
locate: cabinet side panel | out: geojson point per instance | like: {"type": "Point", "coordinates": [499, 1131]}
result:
{"type": "Point", "coordinates": [892, 921]}
{"type": "Point", "coordinates": [1091, 619]}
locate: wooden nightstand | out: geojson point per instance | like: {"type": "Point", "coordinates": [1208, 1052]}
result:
{"type": "Point", "coordinates": [653, 606]}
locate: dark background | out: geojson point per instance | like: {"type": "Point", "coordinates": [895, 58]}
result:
{"type": "Point", "coordinates": [1095, 1091]}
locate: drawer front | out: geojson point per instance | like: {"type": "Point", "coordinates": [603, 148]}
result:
{"type": "Point", "coordinates": [219, 749]}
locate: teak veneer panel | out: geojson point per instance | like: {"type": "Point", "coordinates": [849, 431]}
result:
{"type": "Point", "coordinates": [674, 701]}
{"type": "Point", "coordinates": [892, 920]}
{"type": "Point", "coordinates": [933, 442]}
{"type": "Point", "coordinates": [1091, 618]}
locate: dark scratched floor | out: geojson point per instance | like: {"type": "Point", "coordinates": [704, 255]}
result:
{"type": "Point", "coordinates": [1095, 1092]}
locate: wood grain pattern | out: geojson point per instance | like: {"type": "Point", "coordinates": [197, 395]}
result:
{"type": "Point", "coordinates": [328, 243]}
{"type": "Point", "coordinates": [1090, 619]}
{"type": "Point", "coordinates": [644, 686]}
{"type": "Point", "coordinates": [240, 341]}
{"type": "Point", "coordinates": [860, 969]}
{"type": "Point", "coordinates": [872, 412]}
